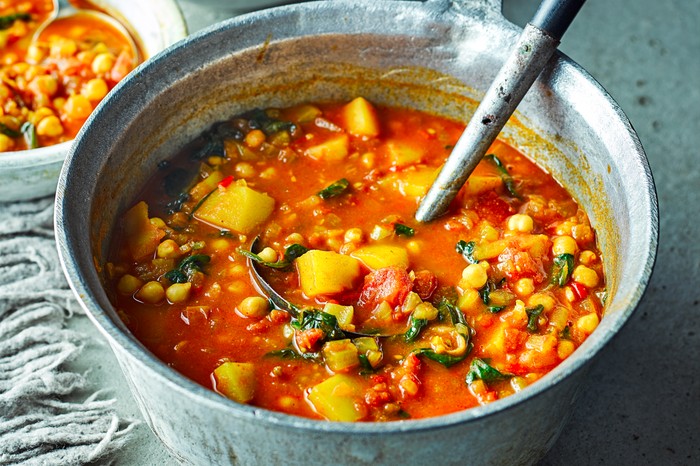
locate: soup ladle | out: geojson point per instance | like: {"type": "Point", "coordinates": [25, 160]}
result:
{"type": "Point", "coordinates": [63, 9]}
{"type": "Point", "coordinates": [534, 48]}
{"type": "Point", "coordinates": [282, 304]}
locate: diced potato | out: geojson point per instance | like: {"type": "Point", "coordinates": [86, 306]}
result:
{"type": "Point", "coordinates": [343, 314]}
{"type": "Point", "coordinates": [236, 380]}
{"type": "Point", "coordinates": [370, 348]}
{"type": "Point", "coordinates": [361, 118]}
{"type": "Point", "coordinates": [326, 272]}
{"type": "Point", "coordinates": [340, 355]}
{"type": "Point", "coordinates": [237, 208]}
{"type": "Point", "coordinates": [334, 149]}
{"type": "Point", "coordinates": [378, 256]}
{"type": "Point", "coordinates": [495, 346]}
{"type": "Point", "coordinates": [477, 184]}
{"type": "Point", "coordinates": [304, 113]}
{"type": "Point", "coordinates": [402, 154]}
{"type": "Point", "coordinates": [142, 237]}
{"type": "Point", "coordinates": [339, 398]}
{"type": "Point", "coordinates": [490, 250]}
{"type": "Point", "coordinates": [412, 183]}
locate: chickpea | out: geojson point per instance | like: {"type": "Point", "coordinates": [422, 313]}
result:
{"type": "Point", "coordinates": [268, 254]}
{"type": "Point", "coordinates": [77, 107]}
{"type": "Point", "coordinates": [40, 113]}
{"type": "Point", "coordinates": [221, 245]}
{"type": "Point", "coordinates": [469, 299]}
{"type": "Point", "coordinates": [237, 270]}
{"type": "Point", "coordinates": [294, 238]}
{"type": "Point", "coordinates": [254, 307]}
{"type": "Point", "coordinates": [178, 292]}
{"type": "Point", "coordinates": [157, 222]}
{"type": "Point", "coordinates": [255, 138]}
{"type": "Point", "coordinates": [367, 160]}
{"type": "Point", "coordinates": [62, 47]}
{"type": "Point", "coordinates": [168, 249]}
{"type": "Point", "coordinates": [49, 126]}
{"type": "Point", "coordinates": [152, 292]}
{"type": "Point", "coordinates": [269, 173]}
{"type": "Point", "coordinates": [564, 245]}
{"type": "Point", "coordinates": [95, 89]}
{"type": "Point", "coordinates": [565, 348]}
{"type": "Point", "coordinates": [488, 233]}
{"type": "Point", "coordinates": [588, 323]}
{"type": "Point", "coordinates": [414, 247]}
{"type": "Point", "coordinates": [521, 222]}
{"type": "Point", "coordinates": [525, 286]}
{"type": "Point", "coordinates": [128, 284]}
{"type": "Point", "coordinates": [587, 257]}
{"type": "Point", "coordinates": [102, 63]}
{"type": "Point", "coordinates": [585, 276]}
{"type": "Point", "coordinates": [473, 276]}
{"type": "Point", "coordinates": [44, 84]}
{"type": "Point", "coordinates": [543, 299]}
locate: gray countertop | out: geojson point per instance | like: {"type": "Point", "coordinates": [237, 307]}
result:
{"type": "Point", "coordinates": [641, 401]}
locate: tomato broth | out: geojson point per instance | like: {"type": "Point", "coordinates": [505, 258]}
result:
{"type": "Point", "coordinates": [481, 302]}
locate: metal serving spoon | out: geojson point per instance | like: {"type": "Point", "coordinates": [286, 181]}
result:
{"type": "Point", "coordinates": [533, 50]}
{"type": "Point", "coordinates": [64, 9]}
{"type": "Point", "coordinates": [284, 305]}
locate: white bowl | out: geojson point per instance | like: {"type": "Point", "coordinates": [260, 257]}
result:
{"type": "Point", "coordinates": [30, 174]}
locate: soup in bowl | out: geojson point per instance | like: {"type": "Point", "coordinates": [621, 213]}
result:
{"type": "Point", "coordinates": [567, 129]}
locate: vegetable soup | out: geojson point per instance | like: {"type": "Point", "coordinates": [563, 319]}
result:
{"type": "Point", "coordinates": [49, 86]}
{"type": "Point", "coordinates": [477, 305]}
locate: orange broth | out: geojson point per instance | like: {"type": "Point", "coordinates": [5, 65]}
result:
{"type": "Point", "coordinates": [487, 299]}
{"type": "Point", "coordinates": [49, 87]}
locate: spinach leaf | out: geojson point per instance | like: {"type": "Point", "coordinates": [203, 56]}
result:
{"type": "Point", "coordinates": [285, 353]}
{"type": "Point", "coordinates": [29, 131]}
{"type": "Point", "coordinates": [365, 365]}
{"type": "Point", "coordinates": [566, 333]}
{"type": "Point", "coordinates": [446, 360]}
{"type": "Point", "coordinates": [334, 189]}
{"type": "Point", "coordinates": [414, 329]}
{"type": "Point", "coordinates": [314, 318]}
{"type": "Point", "coordinates": [188, 266]}
{"type": "Point", "coordinates": [562, 269]}
{"type": "Point", "coordinates": [176, 204]}
{"type": "Point", "coordinates": [269, 125]}
{"type": "Point", "coordinates": [200, 202]}
{"type": "Point", "coordinates": [533, 315]}
{"type": "Point", "coordinates": [292, 252]}
{"type": "Point", "coordinates": [8, 20]}
{"type": "Point", "coordinates": [481, 370]}
{"type": "Point", "coordinates": [467, 250]}
{"type": "Point", "coordinates": [403, 230]}
{"type": "Point", "coordinates": [495, 309]}
{"type": "Point", "coordinates": [505, 176]}
{"type": "Point", "coordinates": [9, 132]}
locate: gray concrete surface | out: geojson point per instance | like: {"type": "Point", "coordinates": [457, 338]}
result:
{"type": "Point", "coordinates": [641, 402]}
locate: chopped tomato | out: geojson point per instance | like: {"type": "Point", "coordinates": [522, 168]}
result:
{"type": "Point", "coordinates": [390, 284]}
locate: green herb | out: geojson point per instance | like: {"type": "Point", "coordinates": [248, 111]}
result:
{"type": "Point", "coordinates": [188, 266]}
{"type": "Point", "coordinates": [29, 131]}
{"type": "Point", "coordinates": [414, 329]}
{"type": "Point", "coordinates": [566, 333]}
{"type": "Point", "coordinates": [8, 20]}
{"type": "Point", "coordinates": [403, 414]}
{"type": "Point", "coordinates": [404, 230]}
{"type": "Point", "coordinates": [485, 292]}
{"type": "Point", "coordinates": [268, 124]}
{"type": "Point", "coordinates": [562, 269]}
{"type": "Point", "coordinates": [467, 250]}
{"type": "Point", "coordinates": [505, 176]}
{"type": "Point", "coordinates": [9, 132]}
{"type": "Point", "coordinates": [365, 365]}
{"type": "Point", "coordinates": [176, 204]}
{"type": "Point", "coordinates": [533, 315]}
{"type": "Point", "coordinates": [335, 189]}
{"type": "Point", "coordinates": [495, 309]}
{"type": "Point", "coordinates": [292, 252]}
{"type": "Point", "coordinates": [310, 319]}
{"type": "Point", "coordinates": [201, 201]}
{"type": "Point", "coordinates": [285, 353]}
{"type": "Point", "coordinates": [481, 370]}
{"type": "Point", "coordinates": [446, 360]}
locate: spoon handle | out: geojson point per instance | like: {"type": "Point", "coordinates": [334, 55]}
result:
{"type": "Point", "coordinates": [533, 50]}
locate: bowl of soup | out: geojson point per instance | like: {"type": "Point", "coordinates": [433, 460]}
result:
{"type": "Point", "coordinates": [250, 253]}
{"type": "Point", "coordinates": [52, 83]}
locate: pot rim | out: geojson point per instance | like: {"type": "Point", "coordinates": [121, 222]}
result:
{"type": "Point", "coordinates": [124, 343]}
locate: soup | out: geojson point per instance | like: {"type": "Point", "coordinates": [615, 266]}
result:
{"type": "Point", "coordinates": [472, 307]}
{"type": "Point", "coordinates": [50, 86]}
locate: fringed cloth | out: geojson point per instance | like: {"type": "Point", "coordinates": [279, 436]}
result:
{"type": "Point", "coordinates": [41, 423]}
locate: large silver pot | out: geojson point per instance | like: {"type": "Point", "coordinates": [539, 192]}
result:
{"type": "Point", "coordinates": [435, 55]}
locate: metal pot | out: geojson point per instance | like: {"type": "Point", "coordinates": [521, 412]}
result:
{"type": "Point", "coordinates": [438, 56]}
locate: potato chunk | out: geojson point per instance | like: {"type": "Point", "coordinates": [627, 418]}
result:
{"type": "Point", "coordinates": [326, 272]}
{"type": "Point", "coordinates": [334, 149]}
{"type": "Point", "coordinates": [402, 154]}
{"type": "Point", "coordinates": [142, 237]}
{"type": "Point", "coordinates": [361, 118]}
{"type": "Point", "coordinates": [378, 256]}
{"type": "Point", "coordinates": [340, 355]}
{"type": "Point", "coordinates": [339, 398]}
{"type": "Point", "coordinates": [237, 208]}
{"type": "Point", "coordinates": [413, 183]}
{"type": "Point", "coordinates": [236, 380]}
{"type": "Point", "coordinates": [343, 314]}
